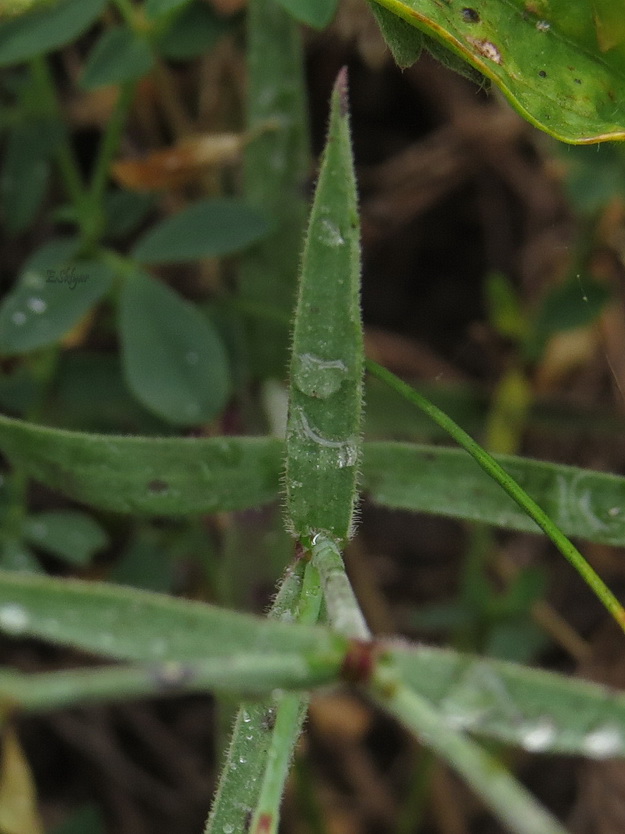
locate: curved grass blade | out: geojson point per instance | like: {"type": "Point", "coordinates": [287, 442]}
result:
{"type": "Point", "coordinates": [126, 623]}
{"type": "Point", "coordinates": [325, 395]}
{"type": "Point", "coordinates": [549, 60]}
{"type": "Point", "coordinates": [507, 483]}
{"type": "Point", "coordinates": [530, 708]}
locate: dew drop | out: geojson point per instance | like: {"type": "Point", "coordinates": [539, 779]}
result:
{"type": "Point", "coordinates": [18, 318]}
{"type": "Point", "coordinates": [538, 735]}
{"type": "Point", "coordinates": [39, 529]}
{"type": "Point", "coordinates": [228, 828]}
{"type": "Point", "coordinates": [242, 760]}
{"type": "Point", "coordinates": [543, 25]}
{"type": "Point", "coordinates": [330, 234]}
{"type": "Point", "coordinates": [37, 305]}
{"type": "Point", "coordinates": [614, 511]}
{"type": "Point", "coordinates": [192, 357]}
{"type": "Point", "coordinates": [33, 279]}
{"type": "Point", "coordinates": [246, 717]}
{"type": "Point", "coordinates": [13, 618]}
{"type": "Point", "coordinates": [603, 742]}
{"type": "Point", "coordinates": [318, 377]}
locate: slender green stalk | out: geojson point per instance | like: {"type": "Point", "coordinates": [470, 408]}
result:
{"type": "Point", "coordinates": [492, 468]}
{"type": "Point", "coordinates": [66, 161]}
{"type": "Point", "coordinates": [344, 612]}
{"type": "Point", "coordinates": [249, 674]}
{"type": "Point", "coordinates": [508, 799]}
{"type": "Point", "coordinates": [289, 718]}
{"type": "Point", "coordinates": [109, 144]}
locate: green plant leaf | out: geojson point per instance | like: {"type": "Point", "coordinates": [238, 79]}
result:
{"type": "Point", "coordinates": [326, 374]}
{"type": "Point", "coordinates": [119, 55]}
{"type": "Point", "coordinates": [154, 8]}
{"type": "Point", "coordinates": [239, 673]}
{"type": "Point", "coordinates": [178, 476]}
{"type": "Point", "coordinates": [276, 166]}
{"type": "Point", "coordinates": [550, 61]}
{"type": "Point", "coordinates": [208, 228]}
{"type": "Point", "coordinates": [51, 295]}
{"type": "Point", "coordinates": [153, 476]}
{"type": "Point", "coordinates": [174, 361]}
{"type": "Point", "coordinates": [317, 13]}
{"type": "Point", "coordinates": [530, 708]}
{"type": "Point", "coordinates": [447, 482]}
{"type": "Point", "coordinates": [575, 303]}
{"type": "Point", "coordinates": [401, 38]}
{"type": "Point", "coordinates": [193, 32]}
{"type": "Point", "coordinates": [129, 624]}
{"type": "Point", "coordinates": [247, 758]}
{"type": "Point", "coordinates": [46, 30]}
{"type": "Point", "coordinates": [26, 171]}
{"type": "Point", "coordinates": [73, 536]}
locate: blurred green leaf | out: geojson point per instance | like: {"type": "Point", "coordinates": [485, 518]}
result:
{"type": "Point", "coordinates": [594, 176]}
{"type": "Point", "coordinates": [401, 38]}
{"type": "Point", "coordinates": [192, 33]}
{"type": "Point", "coordinates": [317, 13]}
{"type": "Point", "coordinates": [26, 172]}
{"type": "Point", "coordinates": [208, 228]}
{"type": "Point", "coordinates": [71, 535]}
{"type": "Point", "coordinates": [154, 8]}
{"type": "Point", "coordinates": [119, 55]}
{"type": "Point", "coordinates": [87, 820]}
{"type": "Point", "coordinates": [174, 361]}
{"type": "Point", "coordinates": [125, 211]}
{"type": "Point", "coordinates": [51, 295]}
{"type": "Point", "coordinates": [145, 563]}
{"type": "Point", "coordinates": [276, 167]}
{"type": "Point", "coordinates": [575, 303]}
{"type": "Point", "coordinates": [46, 30]}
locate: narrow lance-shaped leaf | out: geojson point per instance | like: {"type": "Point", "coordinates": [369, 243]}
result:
{"type": "Point", "coordinates": [126, 623]}
{"type": "Point", "coordinates": [155, 476]}
{"type": "Point", "coordinates": [530, 708]}
{"type": "Point", "coordinates": [324, 423]}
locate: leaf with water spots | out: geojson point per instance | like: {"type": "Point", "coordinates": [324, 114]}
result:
{"type": "Point", "coordinates": [325, 395]}
{"type": "Point", "coordinates": [530, 708]}
{"type": "Point", "coordinates": [185, 476]}
{"type": "Point", "coordinates": [560, 63]}
{"type": "Point", "coordinates": [53, 292]}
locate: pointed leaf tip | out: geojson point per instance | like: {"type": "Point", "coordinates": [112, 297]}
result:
{"type": "Point", "coordinates": [341, 89]}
